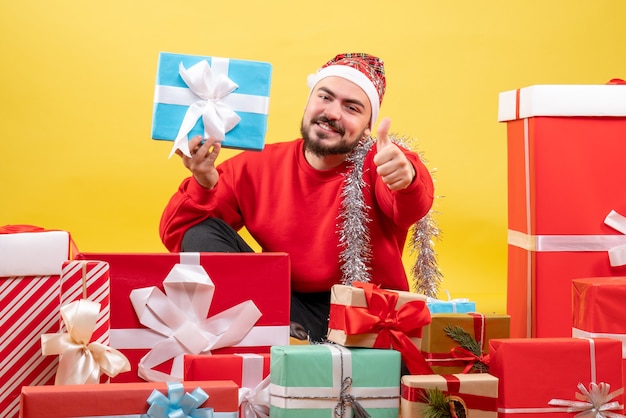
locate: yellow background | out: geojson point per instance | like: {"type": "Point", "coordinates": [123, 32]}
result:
{"type": "Point", "coordinates": [76, 87]}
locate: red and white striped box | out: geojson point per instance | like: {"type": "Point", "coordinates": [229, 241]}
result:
{"type": "Point", "coordinates": [29, 290]}
{"type": "Point", "coordinates": [88, 279]}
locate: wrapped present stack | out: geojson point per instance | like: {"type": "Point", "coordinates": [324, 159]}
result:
{"type": "Point", "coordinates": [30, 269]}
{"type": "Point", "coordinates": [566, 251]}
{"type": "Point", "coordinates": [565, 148]}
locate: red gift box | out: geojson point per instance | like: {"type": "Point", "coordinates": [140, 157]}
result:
{"type": "Point", "coordinates": [598, 310]}
{"type": "Point", "coordinates": [30, 265]}
{"type": "Point", "coordinates": [534, 371]}
{"type": "Point", "coordinates": [565, 170]}
{"type": "Point", "coordinates": [238, 278]}
{"type": "Point", "coordinates": [116, 399]}
{"type": "Point", "coordinates": [249, 371]}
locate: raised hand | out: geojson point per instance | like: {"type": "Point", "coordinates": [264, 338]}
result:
{"type": "Point", "coordinates": [393, 166]}
{"type": "Point", "coordinates": [202, 160]}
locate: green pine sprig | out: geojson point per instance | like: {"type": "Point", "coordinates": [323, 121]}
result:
{"type": "Point", "coordinates": [469, 343]}
{"type": "Point", "coordinates": [437, 405]}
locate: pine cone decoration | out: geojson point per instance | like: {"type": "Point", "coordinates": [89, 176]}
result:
{"type": "Point", "coordinates": [458, 409]}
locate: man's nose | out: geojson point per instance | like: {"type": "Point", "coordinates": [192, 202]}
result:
{"type": "Point", "coordinates": [333, 110]}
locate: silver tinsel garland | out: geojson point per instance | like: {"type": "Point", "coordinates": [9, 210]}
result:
{"type": "Point", "coordinates": [354, 231]}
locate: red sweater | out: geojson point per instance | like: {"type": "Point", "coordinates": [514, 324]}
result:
{"type": "Point", "coordinates": [288, 206]}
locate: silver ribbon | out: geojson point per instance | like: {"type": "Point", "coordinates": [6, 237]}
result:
{"type": "Point", "coordinates": [594, 402]}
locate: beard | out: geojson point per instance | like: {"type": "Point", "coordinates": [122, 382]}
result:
{"type": "Point", "coordinates": [318, 148]}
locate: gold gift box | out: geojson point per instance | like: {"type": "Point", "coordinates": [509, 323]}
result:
{"type": "Point", "coordinates": [437, 346]}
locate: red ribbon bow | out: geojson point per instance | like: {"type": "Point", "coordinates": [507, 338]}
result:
{"type": "Point", "coordinates": [15, 229]}
{"type": "Point", "coordinates": [465, 355]}
{"type": "Point", "coordinates": [392, 326]}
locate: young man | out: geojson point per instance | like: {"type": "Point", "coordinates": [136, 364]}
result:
{"type": "Point", "coordinates": [337, 202]}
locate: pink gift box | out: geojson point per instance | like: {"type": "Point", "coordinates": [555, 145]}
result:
{"type": "Point", "coordinates": [260, 278]}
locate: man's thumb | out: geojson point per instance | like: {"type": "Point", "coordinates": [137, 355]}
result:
{"type": "Point", "coordinates": [383, 134]}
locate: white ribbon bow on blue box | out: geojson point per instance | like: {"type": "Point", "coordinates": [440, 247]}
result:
{"type": "Point", "coordinates": [221, 98]}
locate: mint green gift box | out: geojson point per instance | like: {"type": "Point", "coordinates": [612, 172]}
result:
{"type": "Point", "coordinates": [312, 380]}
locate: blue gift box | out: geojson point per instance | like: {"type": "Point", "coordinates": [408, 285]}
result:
{"type": "Point", "coordinates": [450, 306]}
{"type": "Point", "coordinates": [211, 96]}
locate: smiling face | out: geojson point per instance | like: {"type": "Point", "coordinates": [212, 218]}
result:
{"type": "Point", "coordinates": [336, 117]}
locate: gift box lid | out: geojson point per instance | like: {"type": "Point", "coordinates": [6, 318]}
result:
{"type": "Point", "coordinates": [39, 253]}
{"type": "Point", "coordinates": [601, 100]}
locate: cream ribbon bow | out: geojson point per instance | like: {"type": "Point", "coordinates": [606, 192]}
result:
{"type": "Point", "coordinates": [217, 117]}
{"type": "Point", "coordinates": [81, 361]}
{"type": "Point", "coordinates": [180, 316]}
{"type": "Point", "coordinates": [255, 403]}
{"type": "Point", "coordinates": [593, 403]}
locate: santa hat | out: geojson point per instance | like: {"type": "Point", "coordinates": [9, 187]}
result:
{"type": "Point", "coordinates": [364, 70]}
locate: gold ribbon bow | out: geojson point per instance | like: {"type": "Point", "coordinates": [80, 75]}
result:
{"type": "Point", "coordinates": [594, 402]}
{"type": "Point", "coordinates": [81, 361]}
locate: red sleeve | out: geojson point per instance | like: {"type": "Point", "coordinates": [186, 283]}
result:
{"type": "Point", "coordinates": [192, 204]}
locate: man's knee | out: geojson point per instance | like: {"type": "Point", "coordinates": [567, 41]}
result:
{"type": "Point", "coordinates": [213, 235]}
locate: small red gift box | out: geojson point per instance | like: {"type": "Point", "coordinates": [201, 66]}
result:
{"type": "Point", "coordinates": [598, 310]}
{"type": "Point", "coordinates": [116, 399]}
{"type": "Point", "coordinates": [249, 371]}
{"type": "Point", "coordinates": [364, 315]}
{"type": "Point", "coordinates": [262, 279]}
{"type": "Point", "coordinates": [565, 169]}
{"type": "Point", "coordinates": [533, 373]}
{"type": "Point", "coordinates": [30, 268]}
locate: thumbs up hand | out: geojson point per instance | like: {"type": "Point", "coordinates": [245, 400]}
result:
{"type": "Point", "coordinates": [393, 166]}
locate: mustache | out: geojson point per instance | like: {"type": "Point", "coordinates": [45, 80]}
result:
{"type": "Point", "coordinates": [333, 124]}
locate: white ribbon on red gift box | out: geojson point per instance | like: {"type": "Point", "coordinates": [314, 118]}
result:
{"type": "Point", "coordinates": [180, 318]}
{"type": "Point", "coordinates": [209, 96]}
{"type": "Point", "coordinates": [254, 395]}
{"type": "Point", "coordinates": [615, 245]}
{"type": "Point", "coordinates": [579, 333]}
